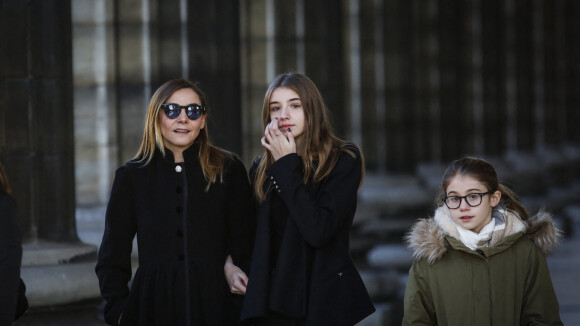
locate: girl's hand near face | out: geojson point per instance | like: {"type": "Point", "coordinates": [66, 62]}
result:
{"type": "Point", "coordinates": [277, 142]}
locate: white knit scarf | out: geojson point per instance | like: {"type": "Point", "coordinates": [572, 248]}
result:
{"type": "Point", "coordinates": [491, 233]}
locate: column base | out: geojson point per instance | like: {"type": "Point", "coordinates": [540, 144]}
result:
{"type": "Point", "coordinates": [57, 273]}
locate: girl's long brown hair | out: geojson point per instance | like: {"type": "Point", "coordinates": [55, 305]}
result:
{"type": "Point", "coordinates": [4, 184]}
{"type": "Point", "coordinates": [322, 148]}
{"type": "Point", "coordinates": [211, 157]}
{"type": "Point", "coordinates": [485, 173]}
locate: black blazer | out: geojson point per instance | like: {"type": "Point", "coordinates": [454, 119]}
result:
{"type": "Point", "coordinates": [184, 234]}
{"type": "Point", "coordinates": [315, 277]}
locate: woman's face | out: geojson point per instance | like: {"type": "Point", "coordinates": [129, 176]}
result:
{"type": "Point", "coordinates": [180, 133]}
{"type": "Point", "coordinates": [286, 105]}
{"type": "Point", "coordinates": [468, 217]}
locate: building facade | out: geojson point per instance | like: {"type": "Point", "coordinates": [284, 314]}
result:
{"type": "Point", "coordinates": [412, 82]}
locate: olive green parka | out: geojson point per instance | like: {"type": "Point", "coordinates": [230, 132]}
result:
{"type": "Point", "coordinates": [506, 284]}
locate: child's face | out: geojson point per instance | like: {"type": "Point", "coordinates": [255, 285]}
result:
{"type": "Point", "coordinates": [466, 216]}
{"type": "Point", "coordinates": [286, 108]}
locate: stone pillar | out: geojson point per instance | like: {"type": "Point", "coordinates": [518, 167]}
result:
{"type": "Point", "coordinates": [256, 60]}
{"type": "Point", "coordinates": [370, 101]}
{"type": "Point", "coordinates": [95, 113]}
{"type": "Point", "coordinates": [525, 76]}
{"type": "Point", "coordinates": [495, 55]}
{"type": "Point", "coordinates": [324, 52]}
{"type": "Point", "coordinates": [556, 126]}
{"type": "Point", "coordinates": [400, 85]}
{"type": "Point", "coordinates": [456, 119]}
{"type": "Point", "coordinates": [169, 32]}
{"type": "Point", "coordinates": [133, 71]}
{"type": "Point", "coordinates": [569, 15]}
{"type": "Point", "coordinates": [36, 120]}
{"type": "Point", "coordinates": [214, 59]}
{"type": "Point", "coordinates": [428, 83]}
{"type": "Point", "coordinates": [286, 40]}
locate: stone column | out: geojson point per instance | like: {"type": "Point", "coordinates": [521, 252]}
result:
{"type": "Point", "coordinates": [37, 146]}
{"type": "Point", "coordinates": [368, 102]}
{"type": "Point", "coordinates": [214, 59]}
{"type": "Point", "coordinates": [256, 60]}
{"type": "Point", "coordinates": [401, 100]}
{"type": "Point", "coordinates": [525, 76]}
{"type": "Point", "coordinates": [36, 120]}
{"type": "Point", "coordinates": [496, 53]}
{"type": "Point", "coordinates": [95, 113]}
{"type": "Point", "coordinates": [324, 52]}
{"type": "Point", "coordinates": [569, 15]}
{"type": "Point", "coordinates": [133, 81]}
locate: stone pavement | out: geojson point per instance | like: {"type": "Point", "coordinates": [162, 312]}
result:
{"type": "Point", "coordinates": [564, 266]}
{"type": "Point", "coordinates": [79, 314]}
{"type": "Point", "coordinates": [565, 272]}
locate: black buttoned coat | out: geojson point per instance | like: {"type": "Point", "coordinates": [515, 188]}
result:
{"type": "Point", "coordinates": [184, 234]}
{"type": "Point", "coordinates": [10, 258]}
{"type": "Point", "coordinates": [314, 277]}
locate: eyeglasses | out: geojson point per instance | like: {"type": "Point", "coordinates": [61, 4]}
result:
{"type": "Point", "coordinates": [193, 111]}
{"type": "Point", "coordinates": [472, 200]}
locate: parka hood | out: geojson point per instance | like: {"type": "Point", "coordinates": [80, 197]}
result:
{"type": "Point", "coordinates": [543, 232]}
{"type": "Point", "coordinates": [427, 236]}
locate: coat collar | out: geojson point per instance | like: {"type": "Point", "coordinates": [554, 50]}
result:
{"type": "Point", "coordinates": [189, 155]}
{"type": "Point", "coordinates": [430, 238]}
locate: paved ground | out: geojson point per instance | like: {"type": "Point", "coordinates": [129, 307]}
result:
{"type": "Point", "coordinates": [565, 271]}
{"type": "Point", "coordinates": [84, 314]}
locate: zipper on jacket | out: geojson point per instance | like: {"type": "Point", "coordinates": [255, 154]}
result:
{"type": "Point", "coordinates": [489, 291]}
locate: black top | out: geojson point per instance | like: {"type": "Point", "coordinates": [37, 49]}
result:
{"type": "Point", "coordinates": [10, 258]}
{"type": "Point", "coordinates": [314, 277]}
{"type": "Point", "coordinates": [279, 213]}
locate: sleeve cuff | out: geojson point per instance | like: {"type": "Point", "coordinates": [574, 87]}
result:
{"type": "Point", "coordinates": [280, 173]}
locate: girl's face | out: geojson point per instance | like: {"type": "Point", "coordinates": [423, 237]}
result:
{"type": "Point", "coordinates": [286, 105]}
{"type": "Point", "coordinates": [180, 133]}
{"type": "Point", "coordinates": [466, 216]}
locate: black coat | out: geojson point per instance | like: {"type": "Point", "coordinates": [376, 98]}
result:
{"type": "Point", "coordinates": [184, 234]}
{"type": "Point", "coordinates": [315, 278]}
{"type": "Point", "coordinates": [10, 258]}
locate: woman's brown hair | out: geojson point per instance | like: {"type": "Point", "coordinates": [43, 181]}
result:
{"type": "Point", "coordinates": [4, 184]}
{"type": "Point", "coordinates": [485, 173]}
{"type": "Point", "coordinates": [321, 147]}
{"type": "Point", "coordinates": [211, 157]}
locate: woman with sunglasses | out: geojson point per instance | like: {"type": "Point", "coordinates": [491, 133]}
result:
{"type": "Point", "coordinates": [481, 259]}
{"type": "Point", "coordinates": [189, 203]}
{"type": "Point", "coordinates": [306, 184]}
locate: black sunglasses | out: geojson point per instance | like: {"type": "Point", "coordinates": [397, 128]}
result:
{"type": "Point", "coordinates": [193, 111]}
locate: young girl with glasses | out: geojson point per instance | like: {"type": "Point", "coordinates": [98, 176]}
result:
{"type": "Point", "coordinates": [306, 184]}
{"type": "Point", "coordinates": [190, 205]}
{"type": "Point", "coordinates": [481, 259]}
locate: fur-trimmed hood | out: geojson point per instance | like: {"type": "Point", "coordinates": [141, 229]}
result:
{"type": "Point", "coordinates": [427, 236]}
